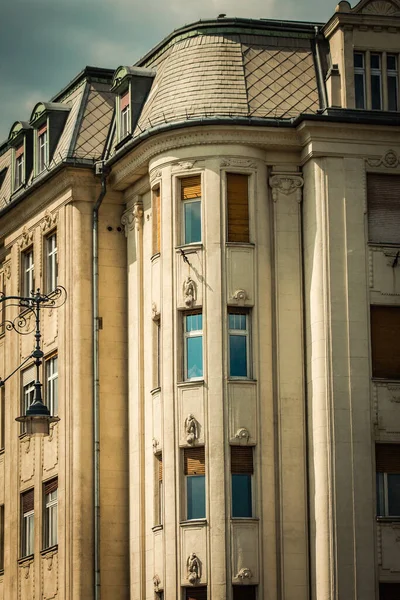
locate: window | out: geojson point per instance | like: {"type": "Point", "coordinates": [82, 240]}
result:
{"type": "Point", "coordinates": [124, 108]}
{"type": "Point", "coordinates": [2, 538]}
{"type": "Point", "coordinates": [28, 282]}
{"type": "Point", "coordinates": [2, 417]}
{"type": "Point", "coordinates": [159, 491]}
{"type": "Point", "coordinates": [193, 333]}
{"type": "Point", "coordinates": [383, 193]}
{"type": "Point", "coordinates": [242, 472]}
{"type": "Point", "coordinates": [389, 591]}
{"type": "Point", "coordinates": [392, 86]}
{"type": "Point", "coordinates": [388, 480]}
{"type": "Point", "coordinates": [156, 221]}
{"type": "Point", "coordinates": [238, 207]}
{"type": "Point", "coordinates": [27, 523]}
{"type": "Point", "coordinates": [51, 368]}
{"type": "Point", "coordinates": [191, 207]}
{"type": "Point", "coordinates": [196, 593]}
{"type": "Point", "coordinates": [195, 474]}
{"type": "Point", "coordinates": [51, 263]}
{"type": "Point", "coordinates": [42, 148]}
{"type": "Point", "coordinates": [244, 592]}
{"type": "Point", "coordinates": [50, 531]}
{"type": "Point", "coordinates": [28, 392]}
{"type": "Point", "coordinates": [385, 341]}
{"type": "Point", "coordinates": [19, 174]}
{"type": "Point", "coordinates": [376, 81]}
{"type": "Point", "coordinates": [239, 343]}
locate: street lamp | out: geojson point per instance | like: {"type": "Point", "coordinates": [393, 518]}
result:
{"type": "Point", "coordinates": [37, 418]}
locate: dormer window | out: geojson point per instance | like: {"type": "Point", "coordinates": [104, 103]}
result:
{"type": "Point", "coordinates": [376, 80]}
{"type": "Point", "coordinates": [19, 171]}
{"type": "Point", "coordinates": [391, 66]}
{"type": "Point", "coordinates": [42, 148]}
{"type": "Point", "coordinates": [124, 114]}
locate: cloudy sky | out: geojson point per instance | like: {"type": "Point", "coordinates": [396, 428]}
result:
{"type": "Point", "coordinates": [45, 43]}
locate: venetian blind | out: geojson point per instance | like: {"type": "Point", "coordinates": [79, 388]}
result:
{"type": "Point", "coordinates": [191, 187]}
{"type": "Point", "coordinates": [50, 486]}
{"type": "Point", "coordinates": [241, 459]}
{"type": "Point", "coordinates": [238, 207]}
{"type": "Point", "coordinates": [387, 458]}
{"type": "Point", "coordinates": [28, 376]}
{"type": "Point", "coordinates": [160, 468]}
{"type": "Point", "coordinates": [28, 501]}
{"type": "Point", "coordinates": [156, 220]}
{"type": "Point", "coordinates": [194, 461]}
{"type": "Point", "coordinates": [383, 193]}
{"type": "Point", "coordinates": [199, 593]}
{"type": "Point", "coordinates": [385, 341]}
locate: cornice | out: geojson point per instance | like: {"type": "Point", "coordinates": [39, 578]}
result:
{"type": "Point", "coordinates": [350, 20]}
{"type": "Point", "coordinates": [125, 170]}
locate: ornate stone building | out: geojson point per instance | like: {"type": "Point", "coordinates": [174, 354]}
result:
{"type": "Point", "coordinates": [224, 216]}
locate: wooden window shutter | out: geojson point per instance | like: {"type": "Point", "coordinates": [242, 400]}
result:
{"type": "Point", "coordinates": [50, 486]}
{"type": "Point", "coordinates": [387, 458]}
{"type": "Point", "coordinates": [383, 193]}
{"type": "Point", "coordinates": [156, 220]}
{"type": "Point", "coordinates": [197, 593]}
{"type": "Point", "coordinates": [241, 460]}
{"type": "Point", "coordinates": [191, 187]}
{"type": "Point", "coordinates": [160, 469]}
{"type": "Point", "coordinates": [28, 501]}
{"type": "Point", "coordinates": [194, 460]}
{"type": "Point", "coordinates": [385, 341]}
{"type": "Point", "coordinates": [238, 207]}
{"type": "Point", "coordinates": [245, 592]}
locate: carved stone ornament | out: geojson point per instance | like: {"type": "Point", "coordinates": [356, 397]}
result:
{"type": "Point", "coordinates": [380, 7]}
{"type": "Point", "coordinates": [189, 291]}
{"type": "Point", "coordinates": [7, 270]}
{"type": "Point", "coordinates": [26, 238]}
{"type": "Point", "coordinates": [238, 162]}
{"type": "Point", "coordinates": [187, 164]}
{"type": "Point", "coordinates": [193, 565]}
{"type": "Point", "coordinates": [191, 429]}
{"type": "Point", "coordinates": [286, 184]}
{"type": "Point", "coordinates": [133, 218]}
{"type": "Point", "coordinates": [240, 296]}
{"type": "Point", "coordinates": [394, 391]}
{"type": "Point", "coordinates": [390, 160]}
{"type": "Point", "coordinates": [156, 446]}
{"type": "Point", "coordinates": [155, 313]}
{"type": "Point", "coordinates": [49, 221]}
{"type": "Point", "coordinates": [156, 583]}
{"type": "Point", "coordinates": [392, 257]}
{"type": "Point", "coordinates": [244, 574]}
{"type": "Point", "coordinates": [156, 174]}
{"type": "Point", "coordinates": [243, 434]}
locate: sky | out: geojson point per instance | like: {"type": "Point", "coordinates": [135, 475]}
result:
{"type": "Point", "coordinates": [45, 43]}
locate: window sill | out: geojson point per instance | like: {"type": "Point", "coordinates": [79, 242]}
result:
{"type": "Point", "coordinates": [244, 380]}
{"type": "Point", "coordinates": [154, 257]}
{"type": "Point", "coordinates": [384, 244]}
{"type": "Point", "coordinates": [385, 379]}
{"type": "Point", "coordinates": [245, 519]}
{"type": "Point", "coordinates": [388, 519]}
{"type": "Point", "coordinates": [189, 248]}
{"type": "Point", "coordinates": [193, 522]}
{"type": "Point", "coordinates": [190, 383]}
{"type": "Point", "coordinates": [157, 528]}
{"type": "Point", "coordinates": [240, 244]}
{"type": "Point", "coordinates": [2, 450]}
{"type": "Point", "coordinates": [1, 572]}
{"type": "Point", "coordinates": [155, 390]}
{"type": "Point", "coordinates": [50, 550]}
{"type": "Point", "coordinates": [26, 559]}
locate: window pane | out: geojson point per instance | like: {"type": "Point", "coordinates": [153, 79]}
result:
{"type": "Point", "coordinates": [359, 90]}
{"type": "Point", "coordinates": [393, 494]}
{"type": "Point", "coordinates": [376, 91]}
{"type": "Point", "coordinates": [359, 60]}
{"type": "Point", "coordinates": [392, 93]}
{"type": "Point", "coordinates": [194, 357]}
{"type": "Point", "coordinates": [380, 495]}
{"type": "Point", "coordinates": [194, 322]}
{"type": "Point", "coordinates": [192, 218]}
{"type": "Point", "coordinates": [241, 496]}
{"type": "Point", "coordinates": [391, 62]}
{"type": "Point", "coordinates": [375, 61]}
{"type": "Point", "coordinates": [196, 496]}
{"type": "Point", "coordinates": [237, 356]}
{"type": "Point", "coordinates": [237, 322]}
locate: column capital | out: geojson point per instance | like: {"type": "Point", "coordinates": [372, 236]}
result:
{"type": "Point", "coordinates": [133, 216]}
{"type": "Point", "coordinates": [286, 184]}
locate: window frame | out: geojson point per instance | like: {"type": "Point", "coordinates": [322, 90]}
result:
{"type": "Point", "coordinates": [27, 395]}
{"type": "Point", "coordinates": [392, 74]}
{"type": "Point", "coordinates": [27, 529]}
{"type": "Point", "coordinates": [51, 271]}
{"type": "Point", "coordinates": [184, 202]}
{"type": "Point", "coordinates": [190, 476]}
{"type": "Point", "coordinates": [51, 378]}
{"type": "Point", "coordinates": [50, 522]}
{"type": "Point", "coordinates": [360, 71]}
{"type": "Point", "coordinates": [19, 168]}
{"type": "Point", "coordinates": [42, 150]}
{"type": "Point", "coordinates": [190, 335]}
{"type": "Point", "coordinates": [239, 332]}
{"type": "Point", "coordinates": [250, 475]}
{"type": "Point", "coordinates": [376, 72]}
{"type": "Point", "coordinates": [382, 492]}
{"type": "Point", "coordinates": [28, 272]}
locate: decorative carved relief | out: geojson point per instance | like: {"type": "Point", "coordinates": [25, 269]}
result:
{"type": "Point", "coordinates": [389, 160]}
{"type": "Point", "coordinates": [49, 221]}
{"type": "Point", "coordinates": [7, 269]}
{"type": "Point", "coordinates": [189, 291]}
{"type": "Point", "coordinates": [380, 7]}
{"type": "Point", "coordinates": [191, 429]}
{"type": "Point", "coordinates": [243, 434]}
{"type": "Point", "coordinates": [26, 238]}
{"type": "Point", "coordinates": [156, 583]}
{"type": "Point", "coordinates": [156, 315]}
{"type": "Point", "coordinates": [156, 446]}
{"type": "Point", "coordinates": [286, 184]}
{"type": "Point", "coordinates": [155, 175]}
{"type": "Point", "coordinates": [187, 164]}
{"type": "Point", "coordinates": [244, 574]}
{"type": "Point", "coordinates": [193, 569]}
{"type": "Point", "coordinates": [394, 392]}
{"type": "Point", "coordinates": [240, 296]}
{"type": "Point", "coordinates": [238, 162]}
{"type": "Point", "coordinates": [133, 217]}
{"type": "Point", "coordinates": [27, 459]}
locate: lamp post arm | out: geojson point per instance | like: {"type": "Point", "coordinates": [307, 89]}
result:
{"type": "Point", "coordinates": [2, 381]}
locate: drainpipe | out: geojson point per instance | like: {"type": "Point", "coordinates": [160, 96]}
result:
{"type": "Point", "coordinates": [99, 169]}
{"type": "Point", "coordinates": [320, 73]}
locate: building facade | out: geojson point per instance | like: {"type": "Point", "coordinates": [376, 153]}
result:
{"type": "Point", "coordinates": [224, 217]}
